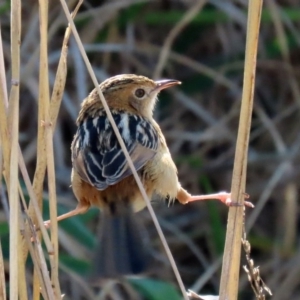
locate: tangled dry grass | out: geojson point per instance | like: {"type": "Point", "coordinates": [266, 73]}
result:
{"type": "Point", "coordinates": [201, 43]}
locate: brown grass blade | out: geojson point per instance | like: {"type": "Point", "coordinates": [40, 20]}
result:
{"type": "Point", "coordinates": [232, 253]}
{"type": "Point", "coordinates": [14, 127]}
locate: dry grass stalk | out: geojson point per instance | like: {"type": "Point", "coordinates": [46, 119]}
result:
{"type": "Point", "coordinates": [43, 105]}
{"type": "Point", "coordinates": [5, 136]}
{"type": "Point", "coordinates": [28, 230]}
{"type": "Point", "coordinates": [258, 286]}
{"type": "Point", "coordinates": [61, 74]}
{"type": "Point", "coordinates": [231, 258]}
{"type": "Point", "coordinates": [14, 238]}
{"type": "Point", "coordinates": [5, 144]}
{"type": "Point", "coordinates": [46, 143]}
{"type": "Point", "coordinates": [48, 112]}
{"type": "Point", "coordinates": [5, 151]}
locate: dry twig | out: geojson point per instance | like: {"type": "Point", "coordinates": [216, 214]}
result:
{"type": "Point", "coordinates": [231, 258]}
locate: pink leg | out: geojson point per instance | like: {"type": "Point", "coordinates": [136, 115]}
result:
{"type": "Point", "coordinates": [222, 196]}
{"type": "Point", "coordinates": [184, 197]}
{"type": "Point", "coordinates": [80, 209]}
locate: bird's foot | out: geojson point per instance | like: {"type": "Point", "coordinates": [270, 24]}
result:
{"type": "Point", "coordinates": [223, 197]}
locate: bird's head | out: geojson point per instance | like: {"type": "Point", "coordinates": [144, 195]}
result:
{"type": "Point", "coordinates": [137, 94]}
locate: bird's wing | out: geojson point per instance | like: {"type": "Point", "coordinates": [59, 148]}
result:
{"type": "Point", "coordinates": [97, 154]}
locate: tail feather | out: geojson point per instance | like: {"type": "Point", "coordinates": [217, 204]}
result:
{"type": "Point", "coordinates": [121, 250]}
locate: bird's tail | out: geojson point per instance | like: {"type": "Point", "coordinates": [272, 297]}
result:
{"type": "Point", "coordinates": [122, 249]}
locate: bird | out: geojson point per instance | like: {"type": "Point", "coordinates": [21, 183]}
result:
{"type": "Point", "coordinates": [101, 175]}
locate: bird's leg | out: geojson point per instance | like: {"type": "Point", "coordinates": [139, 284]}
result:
{"type": "Point", "coordinates": [184, 197]}
{"type": "Point", "coordinates": [80, 209]}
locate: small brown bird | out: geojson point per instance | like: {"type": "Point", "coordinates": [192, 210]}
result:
{"type": "Point", "coordinates": [101, 175]}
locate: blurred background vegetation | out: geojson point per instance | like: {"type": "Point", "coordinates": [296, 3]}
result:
{"type": "Point", "coordinates": [203, 46]}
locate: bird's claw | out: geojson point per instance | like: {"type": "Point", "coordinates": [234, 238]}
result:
{"type": "Point", "coordinates": [47, 224]}
{"type": "Point", "coordinates": [228, 201]}
{"type": "Point", "coordinates": [36, 228]}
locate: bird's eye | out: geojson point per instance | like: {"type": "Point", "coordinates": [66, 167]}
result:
{"type": "Point", "coordinates": [140, 93]}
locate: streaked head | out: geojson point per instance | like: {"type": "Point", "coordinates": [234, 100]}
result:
{"type": "Point", "coordinates": [138, 93]}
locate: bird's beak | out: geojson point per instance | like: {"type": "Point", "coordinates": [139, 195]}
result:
{"type": "Point", "coordinates": [165, 83]}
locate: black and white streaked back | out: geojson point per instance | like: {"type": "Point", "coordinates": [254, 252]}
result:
{"type": "Point", "coordinates": [103, 162]}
